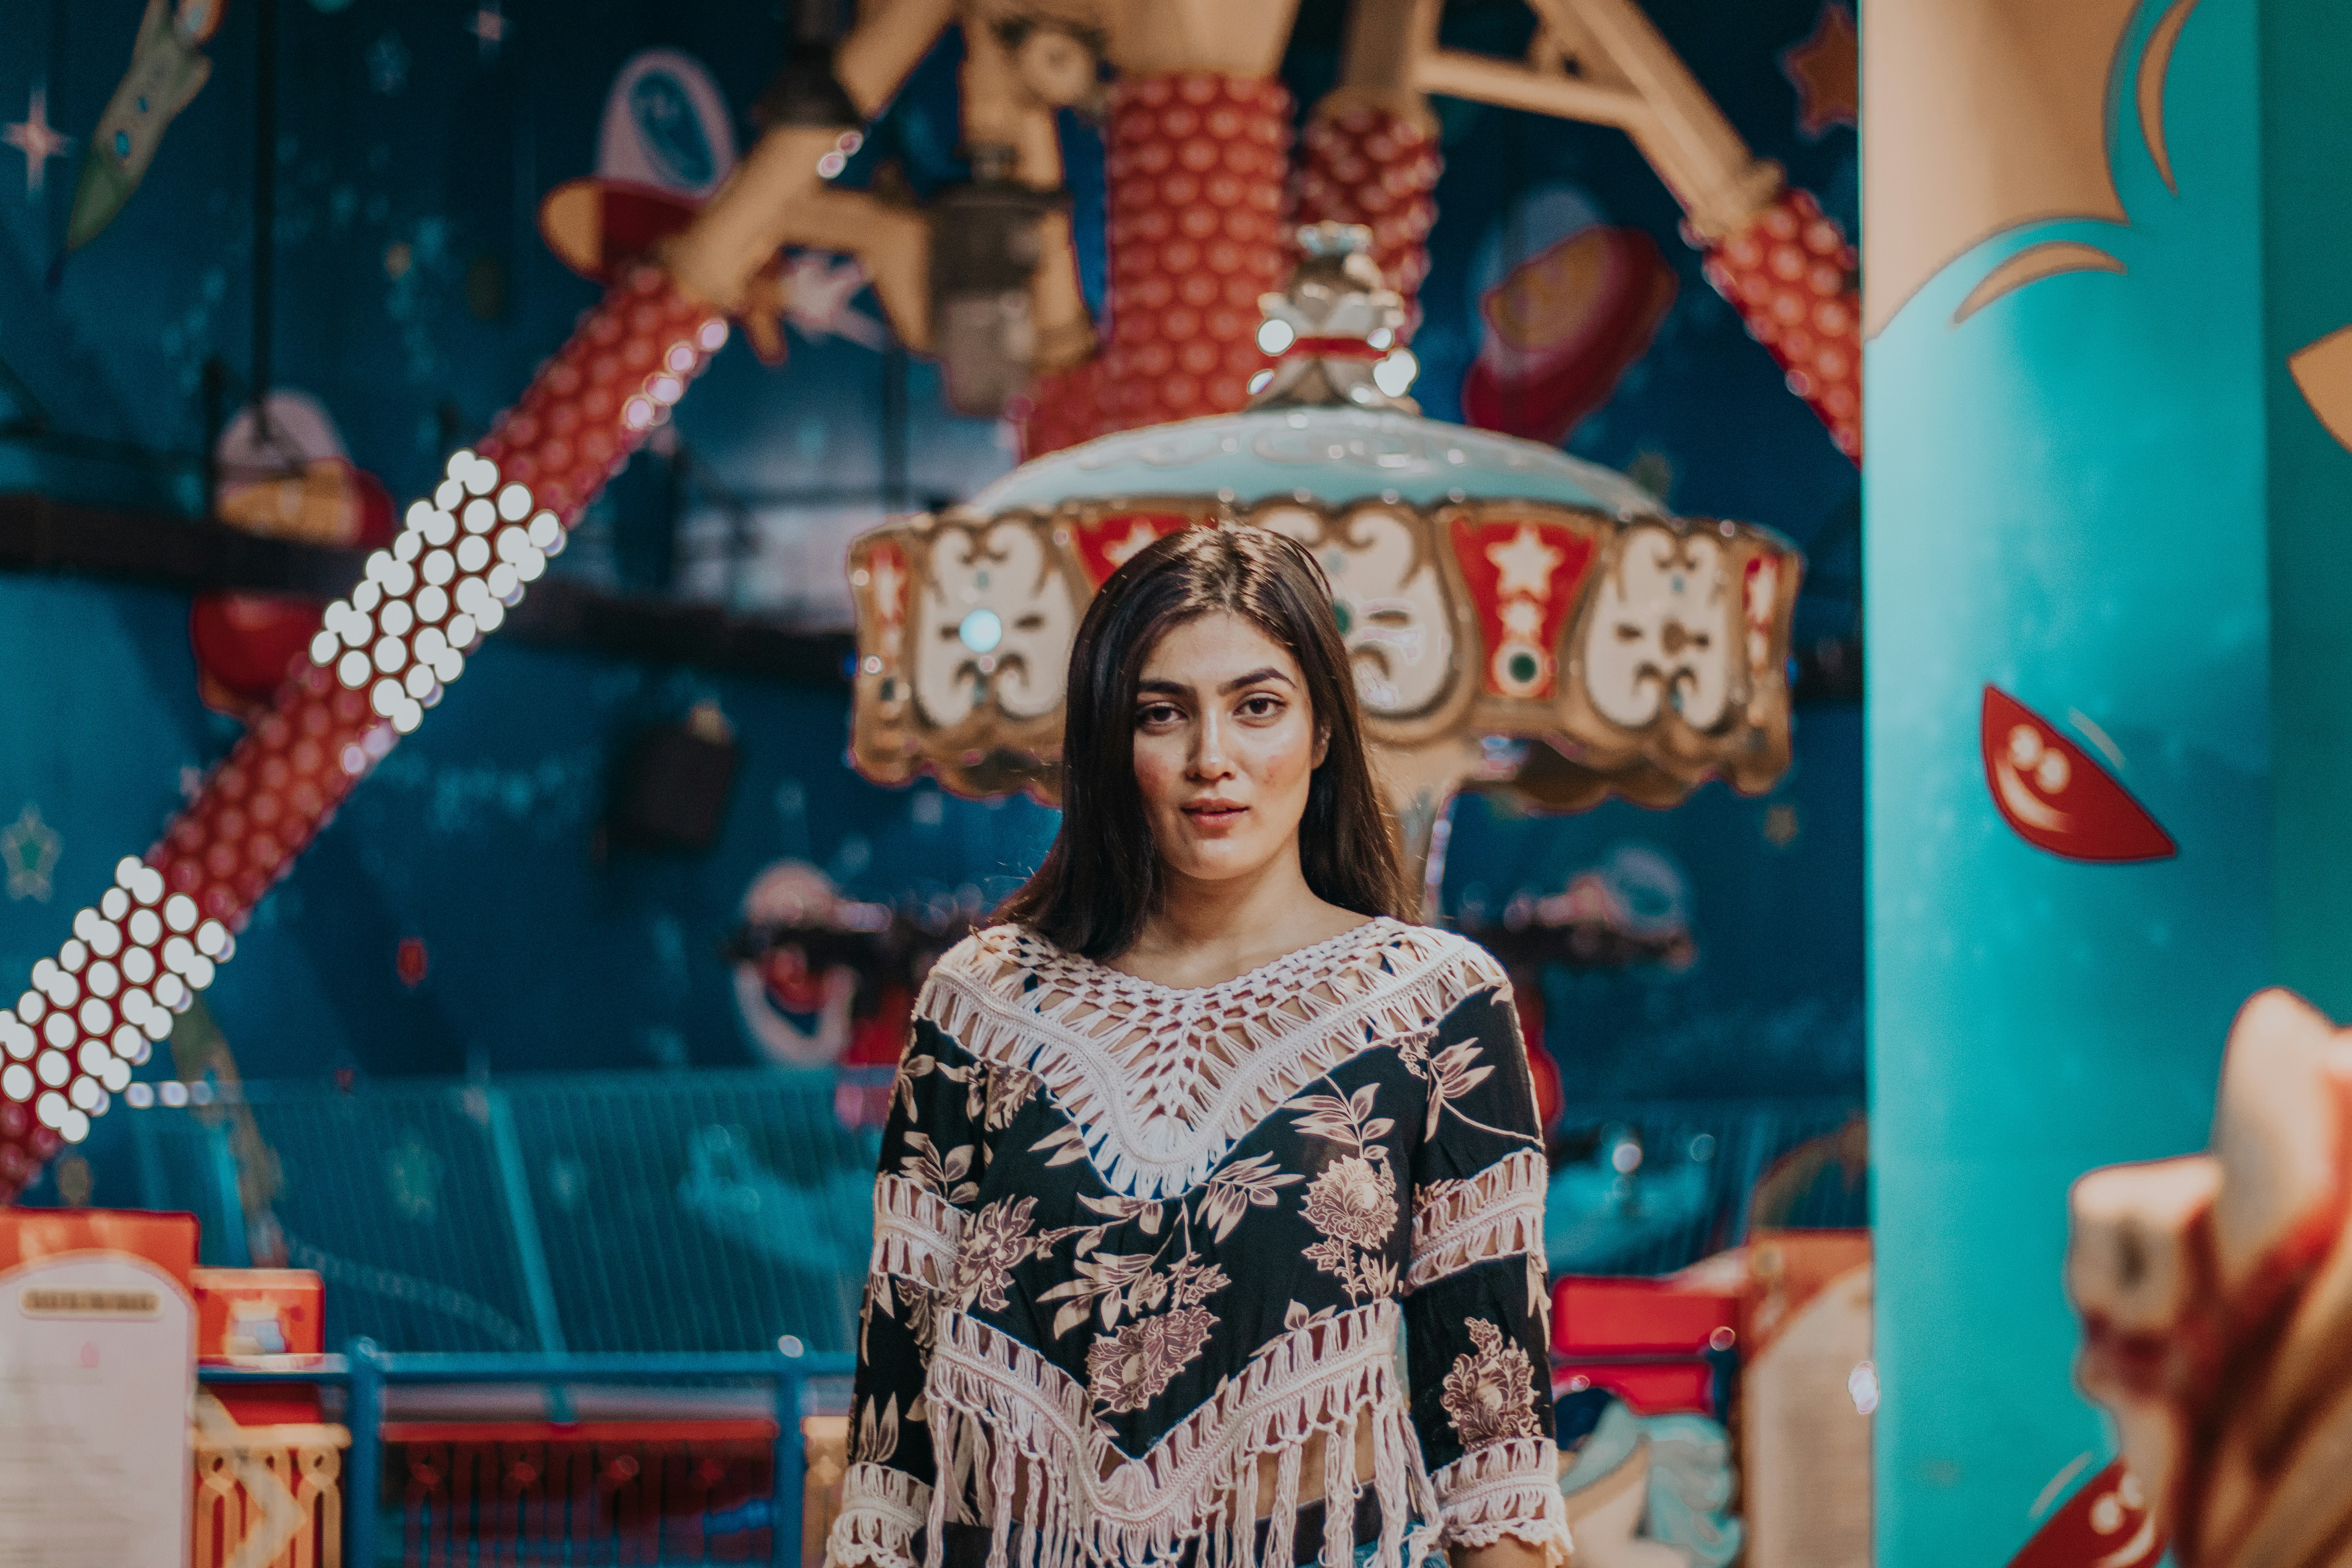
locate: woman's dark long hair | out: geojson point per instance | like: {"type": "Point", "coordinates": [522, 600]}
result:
{"type": "Point", "coordinates": [1102, 877]}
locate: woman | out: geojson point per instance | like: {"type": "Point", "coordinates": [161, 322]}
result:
{"type": "Point", "coordinates": [1184, 1147]}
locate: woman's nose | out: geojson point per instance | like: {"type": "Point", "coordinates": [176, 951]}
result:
{"type": "Point", "coordinates": [1209, 761]}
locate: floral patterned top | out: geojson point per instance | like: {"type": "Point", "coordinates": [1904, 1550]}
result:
{"type": "Point", "coordinates": [1134, 1245]}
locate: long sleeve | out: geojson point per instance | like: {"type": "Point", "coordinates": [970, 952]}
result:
{"type": "Point", "coordinates": [1476, 1318]}
{"type": "Point", "coordinates": [932, 1154]}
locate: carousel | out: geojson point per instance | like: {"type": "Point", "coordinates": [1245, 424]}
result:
{"type": "Point", "coordinates": [1517, 620]}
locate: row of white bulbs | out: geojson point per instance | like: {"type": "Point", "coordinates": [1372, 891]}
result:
{"type": "Point", "coordinates": [1394, 373]}
{"type": "Point", "coordinates": [97, 1009]}
{"type": "Point", "coordinates": [448, 579]}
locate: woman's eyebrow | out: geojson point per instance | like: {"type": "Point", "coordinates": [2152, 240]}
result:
{"type": "Point", "coordinates": [1253, 678]}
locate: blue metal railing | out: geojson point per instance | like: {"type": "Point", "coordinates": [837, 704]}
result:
{"type": "Point", "coordinates": [365, 1371]}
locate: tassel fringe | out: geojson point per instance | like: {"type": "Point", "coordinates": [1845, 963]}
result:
{"type": "Point", "coordinates": [1087, 1502]}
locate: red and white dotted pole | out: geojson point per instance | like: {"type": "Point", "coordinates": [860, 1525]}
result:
{"type": "Point", "coordinates": [1791, 274]}
{"type": "Point", "coordinates": [382, 655]}
{"type": "Point", "coordinates": [1198, 163]}
{"type": "Point", "coordinates": [1370, 165]}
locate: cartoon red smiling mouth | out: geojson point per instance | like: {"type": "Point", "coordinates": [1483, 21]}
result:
{"type": "Point", "coordinates": [2056, 795]}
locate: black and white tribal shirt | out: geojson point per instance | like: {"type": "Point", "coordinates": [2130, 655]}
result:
{"type": "Point", "coordinates": [1136, 1245]}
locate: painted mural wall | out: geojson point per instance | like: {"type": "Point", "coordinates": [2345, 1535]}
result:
{"type": "Point", "coordinates": [413, 294]}
{"type": "Point", "coordinates": [2106, 757]}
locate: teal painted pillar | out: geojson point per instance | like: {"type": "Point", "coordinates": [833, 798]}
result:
{"type": "Point", "coordinates": [2306, 138]}
{"type": "Point", "coordinates": [2093, 232]}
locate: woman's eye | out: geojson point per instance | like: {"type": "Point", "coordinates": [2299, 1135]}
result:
{"type": "Point", "coordinates": [1261, 707]}
{"type": "Point", "coordinates": [1159, 713]}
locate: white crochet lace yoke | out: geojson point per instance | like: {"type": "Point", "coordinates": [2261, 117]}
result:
{"type": "Point", "coordinates": [1161, 1081]}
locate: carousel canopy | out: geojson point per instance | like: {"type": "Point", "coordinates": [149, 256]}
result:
{"type": "Point", "coordinates": [1518, 618]}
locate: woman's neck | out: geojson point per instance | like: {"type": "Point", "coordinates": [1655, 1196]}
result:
{"type": "Point", "coordinates": [1206, 932]}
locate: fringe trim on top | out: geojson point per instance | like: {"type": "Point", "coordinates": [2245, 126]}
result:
{"type": "Point", "coordinates": [1161, 1083]}
{"type": "Point", "coordinates": [916, 1232]}
{"type": "Point", "coordinates": [1498, 1213]}
{"type": "Point", "coordinates": [881, 1509]}
{"type": "Point", "coordinates": [995, 1404]}
{"type": "Point", "coordinates": [1510, 1487]}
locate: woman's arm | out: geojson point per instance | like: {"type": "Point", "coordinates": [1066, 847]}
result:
{"type": "Point", "coordinates": [1475, 1307]}
{"type": "Point", "coordinates": [930, 1160]}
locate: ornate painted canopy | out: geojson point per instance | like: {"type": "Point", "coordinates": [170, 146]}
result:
{"type": "Point", "coordinates": [1518, 618]}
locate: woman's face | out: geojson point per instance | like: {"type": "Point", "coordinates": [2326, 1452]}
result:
{"type": "Point", "coordinates": [1225, 746]}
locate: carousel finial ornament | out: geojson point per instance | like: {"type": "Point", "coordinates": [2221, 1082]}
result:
{"type": "Point", "coordinates": [1334, 330]}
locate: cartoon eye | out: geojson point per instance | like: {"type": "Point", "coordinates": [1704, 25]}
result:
{"type": "Point", "coordinates": [2029, 765]}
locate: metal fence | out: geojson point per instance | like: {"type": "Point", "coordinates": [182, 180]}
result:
{"type": "Point", "coordinates": [702, 1212]}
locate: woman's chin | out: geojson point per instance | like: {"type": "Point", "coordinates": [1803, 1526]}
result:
{"type": "Point", "coordinates": [1221, 860]}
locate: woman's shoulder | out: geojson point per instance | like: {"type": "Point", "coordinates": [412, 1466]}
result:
{"type": "Point", "coordinates": [992, 959]}
{"type": "Point", "coordinates": [1460, 967]}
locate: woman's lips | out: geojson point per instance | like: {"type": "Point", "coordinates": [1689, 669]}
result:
{"type": "Point", "coordinates": [1215, 813]}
